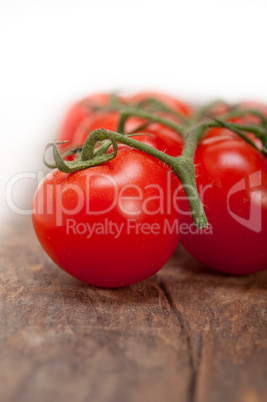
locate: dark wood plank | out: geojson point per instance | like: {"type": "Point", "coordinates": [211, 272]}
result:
{"type": "Point", "coordinates": [225, 322]}
{"type": "Point", "coordinates": [186, 335]}
{"type": "Point", "coordinates": [62, 340]}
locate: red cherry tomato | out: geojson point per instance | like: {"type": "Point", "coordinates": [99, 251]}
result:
{"type": "Point", "coordinates": [232, 180]}
{"type": "Point", "coordinates": [110, 225]}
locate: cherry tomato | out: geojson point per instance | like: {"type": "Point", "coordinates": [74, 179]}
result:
{"type": "Point", "coordinates": [110, 225]}
{"type": "Point", "coordinates": [232, 180]}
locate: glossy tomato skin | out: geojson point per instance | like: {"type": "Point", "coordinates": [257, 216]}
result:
{"type": "Point", "coordinates": [232, 181]}
{"type": "Point", "coordinates": [130, 238]}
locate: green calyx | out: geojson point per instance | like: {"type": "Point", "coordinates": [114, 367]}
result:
{"type": "Point", "coordinates": [87, 156]}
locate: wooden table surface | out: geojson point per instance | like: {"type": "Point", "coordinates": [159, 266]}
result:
{"type": "Point", "coordinates": [184, 335]}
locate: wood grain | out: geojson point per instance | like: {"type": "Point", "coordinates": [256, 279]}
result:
{"type": "Point", "coordinates": [185, 335]}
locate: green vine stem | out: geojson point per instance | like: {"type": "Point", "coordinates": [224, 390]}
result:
{"type": "Point", "coordinates": [241, 113]}
{"type": "Point", "coordinates": [259, 133]}
{"type": "Point", "coordinates": [134, 112]}
{"type": "Point", "coordinates": [158, 106]}
{"type": "Point", "coordinates": [114, 104]}
{"type": "Point", "coordinates": [90, 154]}
{"type": "Point", "coordinates": [153, 104]}
{"type": "Point", "coordinates": [93, 158]}
{"type": "Point", "coordinates": [183, 167]}
{"type": "Point", "coordinates": [207, 109]}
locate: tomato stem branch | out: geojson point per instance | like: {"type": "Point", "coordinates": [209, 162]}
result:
{"type": "Point", "coordinates": [160, 107]}
{"type": "Point", "coordinates": [241, 113]}
{"type": "Point", "coordinates": [192, 130]}
{"type": "Point", "coordinates": [207, 109]}
{"type": "Point", "coordinates": [183, 168]}
{"type": "Point", "coordinates": [259, 132]}
{"type": "Point", "coordinates": [134, 112]}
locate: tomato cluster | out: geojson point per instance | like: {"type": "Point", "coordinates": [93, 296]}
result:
{"type": "Point", "coordinates": [93, 112]}
{"type": "Point", "coordinates": [119, 222]}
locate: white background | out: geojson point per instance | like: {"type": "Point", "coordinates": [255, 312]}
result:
{"type": "Point", "coordinates": [54, 52]}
